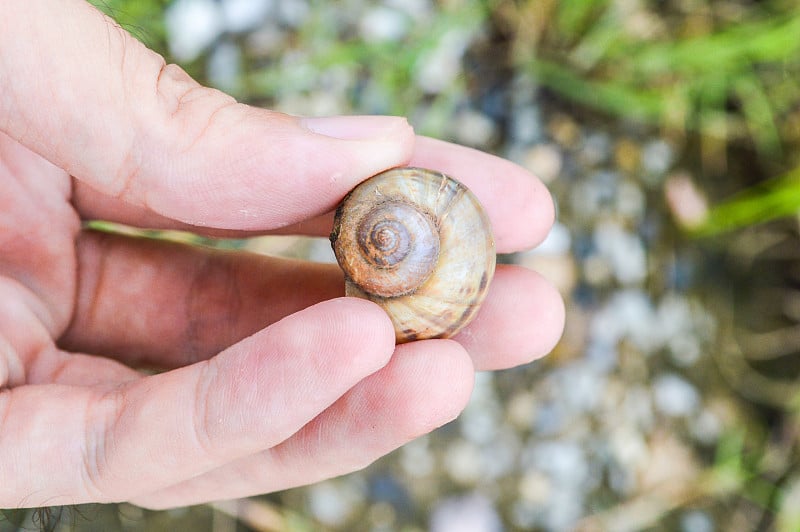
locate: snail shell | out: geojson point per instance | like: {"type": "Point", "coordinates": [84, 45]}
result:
{"type": "Point", "coordinates": [417, 243]}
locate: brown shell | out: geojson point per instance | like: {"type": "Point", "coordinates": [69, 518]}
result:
{"type": "Point", "coordinates": [419, 244]}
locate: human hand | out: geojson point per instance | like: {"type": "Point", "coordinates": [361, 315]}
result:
{"type": "Point", "coordinates": [273, 380]}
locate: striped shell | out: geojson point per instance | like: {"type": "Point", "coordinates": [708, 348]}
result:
{"type": "Point", "coordinates": [417, 243]}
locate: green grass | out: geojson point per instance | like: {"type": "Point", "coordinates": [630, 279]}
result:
{"type": "Point", "coordinates": [773, 199]}
{"type": "Point", "coordinates": [731, 81]}
{"type": "Point", "coordinates": [745, 74]}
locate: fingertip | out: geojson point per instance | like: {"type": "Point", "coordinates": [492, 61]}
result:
{"type": "Point", "coordinates": [521, 320]}
{"type": "Point", "coordinates": [356, 330]}
{"type": "Point", "coordinates": [445, 374]}
{"type": "Point", "coordinates": [361, 127]}
{"type": "Point", "coordinates": [544, 215]}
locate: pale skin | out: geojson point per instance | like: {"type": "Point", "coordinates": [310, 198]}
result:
{"type": "Point", "coordinates": [272, 379]}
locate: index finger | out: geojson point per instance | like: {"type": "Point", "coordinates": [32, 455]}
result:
{"type": "Point", "coordinates": [518, 204]}
{"type": "Point", "coordinates": [84, 94]}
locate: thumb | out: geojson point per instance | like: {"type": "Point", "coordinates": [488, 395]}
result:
{"type": "Point", "coordinates": [83, 93]}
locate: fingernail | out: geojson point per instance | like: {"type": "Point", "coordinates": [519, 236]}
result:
{"type": "Point", "coordinates": [358, 127]}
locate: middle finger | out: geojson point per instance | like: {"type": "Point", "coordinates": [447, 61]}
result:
{"type": "Point", "coordinates": [166, 305]}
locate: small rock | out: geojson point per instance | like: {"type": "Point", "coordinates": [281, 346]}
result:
{"type": "Point", "coordinates": [293, 13]}
{"type": "Point", "coordinates": [332, 502]}
{"type": "Point", "coordinates": [564, 130]}
{"type": "Point", "coordinates": [463, 462]}
{"type": "Point", "coordinates": [192, 25]}
{"type": "Point", "coordinates": [686, 201]}
{"type": "Point", "coordinates": [223, 66]}
{"type": "Point", "coordinates": [526, 124]}
{"type": "Point", "coordinates": [699, 521]}
{"type": "Point", "coordinates": [674, 396]}
{"type": "Point", "coordinates": [471, 513]}
{"type": "Point", "coordinates": [244, 15]}
{"type": "Point", "coordinates": [631, 202]}
{"type": "Point", "coordinates": [624, 252]}
{"type": "Point", "coordinates": [596, 149]}
{"type": "Point", "coordinates": [383, 24]}
{"type": "Point", "coordinates": [627, 155]}
{"type": "Point", "coordinates": [437, 69]}
{"type": "Point", "coordinates": [545, 161]}
{"type": "Point", "coordinates": [416, 458]}
{"type": "Point", "coordinates": [657, 158]}
{"type": "Point", "coordinates": [473, 128]}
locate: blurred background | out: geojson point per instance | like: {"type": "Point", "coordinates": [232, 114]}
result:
{"type": "Point", "coordinates": [669, 133]}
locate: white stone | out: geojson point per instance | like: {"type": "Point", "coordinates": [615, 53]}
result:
{"type": "Point", "coordinates": [243, 15]}
{"type": "Point", "coordinates": [624, 251]}
{"type": "Point", "coordinates": [631, 202]}
{"type": "Point", "coordinates": [700, 521]}
{"type": "Point", "coordinates": [463, 462]}
{"type": "Point", "coordinates": [657, 156]}
{"type": "Point", "coordinates": [674, 396]}
{"type": "Point", "coordinates": [383, 24]}
{"type": "Point", "coordinates": [629, 314]}
{"type": "Point", "coordinates": [471, 513]}
{"type": "Point", "coordinates": [544, 160]}
{"type": "Point", "coordinates": [332, 502]}
{"type": "Point", "coordinates": [473, 128]}
{"type": "Point", "coordinates": [437, 69]}
{"type": "Point", "coordinates": [224, 66]}
{"type": "Point", "coordinates": [293, 12]}
{"type": "Point", "coordinates": [416, 458]}
{"type": "Point", "coordinates": [416, 9]}
{"type": "Point", "coordinates": [192, 25]}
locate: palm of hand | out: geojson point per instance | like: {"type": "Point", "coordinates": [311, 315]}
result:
{"type": "Point", "coordinates": [38, 276]}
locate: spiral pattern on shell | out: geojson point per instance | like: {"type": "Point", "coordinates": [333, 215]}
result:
{"type": "Point", "coordinates": [417, 243]}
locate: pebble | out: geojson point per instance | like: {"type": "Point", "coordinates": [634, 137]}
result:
{"type": "Point", "coordinates": [630, 201]}
{"type": "Point", "coordinates": [560, 270]}
{"type": "Point", "coordinates": [417, 459]}
{"type": "Point", "coordinates": [623, 250]}
{"type": "Point", "coordinates": [223, 67]}
{"type": "Point", "coordinates": [437, 69]}
{"type": "Point", "coordinates": [627, 156]}
{"type": "Point", "coordinates": [245, 15]}
{"type": "Point", "coordinates": [596, 197]}
{"type": "Point", "coordinates": [788, 517]}
{"type": "Point", "coordinates": [192, 25]}
{"type": "Point", "coordinates": [292, 13]}
{"type": "Point", "coordinates": [564, 130]}
{"type": "Point", "coordinates": [463, 462]}
{"type": "Point", "coordinates": [596, 149]}
{"type": "Point", "coordinates": [629, 315]}
{"type": "Point", "coordinates": [526, 124]}
{"type": "Point", "coordinates": [675, 396]}
{"type": "Point", "coordinates": [657, 158]}
{"type": "Point", "coordinates": [521, 409]}
{"type": "Point", "coordinates": [473, 128]}
{"type": "Point", "coordinates": [332, 502]}
{"type": "Point", "coordinates": [545, 161]}
{"type": "Point", "coordinates": [469, 513]}
{"type": "Point", "coordinates": [687, 203]}
{"type": "Point", "coordinates": [383, 24]}
{"type": "Point", "coordinates": [706, 427]}
{"type": "Point", "coordinates": [700, 521]}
